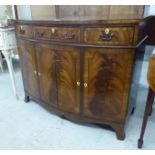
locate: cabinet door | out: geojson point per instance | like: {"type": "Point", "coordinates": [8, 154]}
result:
{"type": "Point", "coordinates": [28, 65]}
{"type": "Point", "coordinates": [107, 74]}
{"type": "Point", "coordinates": [47, 73]}
{"type": "Point", "coordinates": [68, 78]}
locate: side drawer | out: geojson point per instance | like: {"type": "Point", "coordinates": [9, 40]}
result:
{"type": "Point", "coordinates": [109, 35]}
{"type": "Point", "coordinates": [57, 34]}
{"type": "Point", "coordinates": [24, 31]}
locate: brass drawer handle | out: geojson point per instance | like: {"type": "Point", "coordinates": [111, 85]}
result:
{"type": "Point", "coordinates": [78, 83]}
{"type": "Point", "coordinates": [21, 30]}
{"type": "Point", "coordinates": [85, 85]}
{"type": "Point", "coordinates": [40, 34]}
{"type": "Point", "coordinates": [55, 35]}
{"type": "Point", "coordinates": [69, 36]}
{"type": "Point", "coordinates": [66, 36]}
{"type": "Point", "coordinates": [35, 72]}
{"type": "Point", "coordinates": [106, 35]}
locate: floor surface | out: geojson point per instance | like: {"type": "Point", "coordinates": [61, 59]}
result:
{"type": "Point", "coordinates": [30, 126]}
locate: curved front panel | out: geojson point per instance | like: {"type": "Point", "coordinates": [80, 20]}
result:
{"type": "Point", "coordinates": [106, 82]}
{"type": "Point", "coordinates": [81, 70]}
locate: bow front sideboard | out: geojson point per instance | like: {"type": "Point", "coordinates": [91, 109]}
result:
{"type": "Point", "coordinates": [83, 70]}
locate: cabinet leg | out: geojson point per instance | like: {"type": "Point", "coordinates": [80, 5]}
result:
{"type": "Point", "coordinates": [62, 116]}
{"type": "Point", "coordinates": [148, 107]}
{"type": "Point", "coordinates": [27, 98]}
{"type": "Point", "coordinates": [119, 129]}
{"type": "Point", "coordinates": [133, 110]}
{"type": "Point", "coordinates": [150, 111]}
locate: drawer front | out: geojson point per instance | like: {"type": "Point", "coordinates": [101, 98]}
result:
{"type": "Point", "coordinates": [24, 31]}
{"type": "Point", "coordinates": [57, 34]}
{"type": "Point", "coordinates": [109, 35]}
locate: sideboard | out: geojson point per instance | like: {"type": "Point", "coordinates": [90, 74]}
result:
{"type": "Point", "coordinates": [83, 70]}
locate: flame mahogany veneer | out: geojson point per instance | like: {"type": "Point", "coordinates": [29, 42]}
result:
{"type": "Point", "coordinates": [83, 70]}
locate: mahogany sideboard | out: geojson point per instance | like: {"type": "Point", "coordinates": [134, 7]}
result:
{"type": "Point", "coordinates": [84, 70]}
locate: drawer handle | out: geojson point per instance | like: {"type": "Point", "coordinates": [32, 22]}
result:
{"type": "Point", "coordinates": [106, 35]}
{"type": "Point", "coordinates": [21, 31]}
{"type": "Point", "coordinates": [69, 36]}
{"type": "Point", "coordinates": [35, 72]}
{"type": "Point", "coordinates": [63, 36]}
{"type": "Point", "coordinates": [40, 34]}
{"type": "Point", "coordinates": [54, 36]}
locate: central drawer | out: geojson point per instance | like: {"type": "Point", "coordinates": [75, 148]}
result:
{"type": "Point", "coordinates": [57, 33]}
{"type": "Point", "coordinates": [109, 35]}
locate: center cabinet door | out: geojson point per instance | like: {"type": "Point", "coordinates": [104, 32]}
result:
{"type": "Point", "coordinates": [59, 69]}
{"type": "Point", "coordinates": [67, 61]}
{"type": "Point", "coordinates": [106, 82]}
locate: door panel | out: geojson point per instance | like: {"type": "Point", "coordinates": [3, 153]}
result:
{"type": "Point", "coordinates": [28, 65]}
{"type": "Point", "coordinates": [68, 78]}
{"type": "Point", "coordinates": [107, 73]}
{"type": "Point", "coordinates": [47, 73]}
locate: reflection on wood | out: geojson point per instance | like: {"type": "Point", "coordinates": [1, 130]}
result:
{"type": "Point", "coordinates": [100, 11]}
{"type": "Point", "coordinates": [47, 79]}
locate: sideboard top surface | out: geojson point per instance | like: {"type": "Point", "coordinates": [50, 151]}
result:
{"type": "Point", "coordinates": [79, 21]}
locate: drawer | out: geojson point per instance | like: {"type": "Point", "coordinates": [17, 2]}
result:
{"type": "Point", "coordinates": [24, 31]}
{"type": "Point", "coordinates": [57, 34]}
{"type": "Point", "coordinates": [109, 35]}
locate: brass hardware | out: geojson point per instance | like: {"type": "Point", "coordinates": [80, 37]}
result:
{"type": "Point", "coordinates": [85, 85]}
{"type": "Point", "coordinates": [39, 74]}
{"type": "Point", "coordinates": [70, 36]}
{"type": "Point", "coordinates": [78, 83]}
{"type": "Point", "coordinates": [107, 31]}
{"type": "Point", "coordinates": [106, 35]}
{"type": "Point", "coordinates": [35, 72]}
{"type": "Point", "coordinates": [40, 34]}
{"type": "Point", "coordinates": [53, 30]}
{"type": "Point", "coordinates": [21, 30]}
